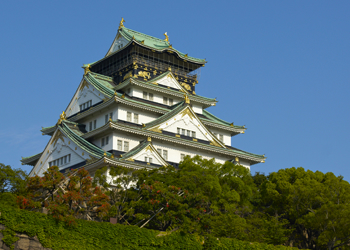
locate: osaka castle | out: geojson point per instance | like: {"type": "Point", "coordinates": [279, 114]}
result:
{"type": "Point", "coordinates": [137, 107]}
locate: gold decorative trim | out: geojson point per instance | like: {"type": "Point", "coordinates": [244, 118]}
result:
{"type": "Point", "coordinates": [177, 135]}
{"type": "Point", "coordinates": [128, 75]}
{"type": "Point", "coordinates": [143, 74]}
{"type": "Point", "coordinates": [156, 129]}
{"type": "Point", "coordinates": [87, 69]}
{"type": "Point", "coordinates": [166, 37]}
{"type": "Point", "coordinates": [121, 24]}
{"type": "Point", "coordinates": [58, 135]}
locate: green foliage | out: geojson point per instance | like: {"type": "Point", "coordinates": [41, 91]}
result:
{"type": "Point", "coordinates": [12, 180]}
{"type": "Point", "coordinates": [316, 206]}
{"type": "Point", "coordinates": [102, 235]}
{"type": "Point", "coordinates": [9, 237]}
{"type": "Point", "coordinates": [9, 199]}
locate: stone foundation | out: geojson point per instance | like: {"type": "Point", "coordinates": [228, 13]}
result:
{"type": "Point", "coordinates": [24, 243]}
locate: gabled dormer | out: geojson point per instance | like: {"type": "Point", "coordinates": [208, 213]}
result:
{"type": "Point", "coordinates": [183, 121]}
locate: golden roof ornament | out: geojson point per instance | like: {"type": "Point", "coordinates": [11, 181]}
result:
{"type": "Point", "coordinates": [149, 139]}
{"type": "Point", "coordinates": [87, 69]}
{"type": "Point", "coordinates": [62, 117]}
{"type": "Point", "coordinates": [236, 159]}
{"type": "Point", "coordinates": [166, 37]}
{"type": "Point", "coordinates": [121, 24]}
{"type": "Point", "coordinates": [187, 100]}
{"type": "Point", "coordinates": [105, 154]}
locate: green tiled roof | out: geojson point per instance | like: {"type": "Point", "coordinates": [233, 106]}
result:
{"type": "Point", "coordinates": [166, 116]}
{"type": "Point", "coordinates": [215, 119]}
{"type": "Point", "coordinates": [135, 150]}
{"type": "Point", "coordinates": [31, 160]}
{"type": "Point", "coordinates": [82, 143]}
{"type": "Point", "coordinates": [103, 85]}
{"type": "Point", "coordinates": [154, 43]}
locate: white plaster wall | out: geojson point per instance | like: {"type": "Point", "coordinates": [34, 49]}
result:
{"type": "Point", "coordinates": [188, 125]}
{"type": "Point", "coordinates": [197, 108]}
{"type": "Point", "coordinates": [82, 96]}
{"type": "Point", "coordinates": [132, 139]}
{"type": "Point", "coordinates": [99, 116]}
{"type": "Point", "coordinates": [144, 116]}
{"type": "Point", "coordinates": [227, 136]}
{"type": "Point", "coordinates": [157, 97]}
{"type": "Point", "coordinates": [98, 142]}
{"type": "Point", "coordinates": [53, 152]}
{"type": "Point", "coordinates": [175, 151]}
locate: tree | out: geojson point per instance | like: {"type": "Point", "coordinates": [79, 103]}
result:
{"type": "Point", "coordinates": [12, 180]}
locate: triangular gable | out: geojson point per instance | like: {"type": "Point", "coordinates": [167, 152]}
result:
{"type": "Point", "coordinates": [85, 92]}
{"type": "Point", "coordinates": [145, 149]}
{"type": "Point", "coordinates": [119, 42]}
{"type": "Point", "coordinates": [169, 80]}
{"type": "Point", "coordinates": [184, 118]}
{"type": "Point", "coordinates": [59, 146]}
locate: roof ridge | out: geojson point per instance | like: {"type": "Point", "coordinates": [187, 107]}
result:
{"type": "Point", "coordinates": [166, 115]}
{"type": "Point", "coordinates": [140, 33]}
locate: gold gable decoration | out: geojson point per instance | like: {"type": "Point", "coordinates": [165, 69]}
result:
{"type": "Point", "coordinates": [87, 69]}
{"type": "Point", "coordinates": [62, 117]}
{"type": "Point", "coordinates": [58, 135]}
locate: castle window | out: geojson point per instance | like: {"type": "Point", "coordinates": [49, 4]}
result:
{"type": "Point", "coordinates": [90, 126]}
{"type": "Point", "coordinates": [136, 118]}
{"type": "Point", "coordinates": [85, 105]}
{"type": "Point", "coordinates": [221, 138]}
{"type": "Point", "coordinates": [61, 161]}
{"type": "Point", "coordinates": [188, 133]}
{"type": "Point", "coordinates": [179, 130]}
{"type": "Point", "coordinates": [128, 116]}
{"type": "Point", "coordinates": [120, 145]}
{"type": "Point", "coordinates": [104, 141]}
{"type": "Point", "coordinates": [95, 124]}
{"type": "Point", "coordinates": [106, 119]}
{"type": "Point", "coordinates": [182, 157]}
{"type": "Point", "coordinates": [171, 102]}
{"type": "Point", "coordinates": [150, 96]}
{"type": "Point", "coordinates": [159, 151]}
{"type": "Point", "coordinates": [165, 100]}
{"type": "Point", "coordinates": [145, 96]}
{"type": "Point", "coordinates": [165, 154]}
{"type": "Point", "coordinates": [194, 134]}
{"type": "Point", "coordinates": [126, 146]}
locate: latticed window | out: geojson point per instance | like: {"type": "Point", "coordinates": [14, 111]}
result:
{"type": "Point", "coordinates": [145, 95]}
{"type": "Point", "coordinates": [136, 118]}
{"type": "Point", "coordinates": [150, 96]}
{"type": "Point", "coordinates": [165, 154]}
{"type": "Point", "coordinates": [194, 134]}
{"type": "Point", "coordinates": [165, 100]}
{"type": "Point", "coordinates": [221, 138]}
{"type": "Point", "coordinates": [182, 157]}
{"type": "Point", "coordinates": [171, 102]}
{"type": "Point", "coordinates": [120, 145]}
{"type": "Point", "coordinates": [128, 116]}
{"type": "Point", "coordinates": [159, 151]}
{"type": "Point", "coordinates": [126, 146]}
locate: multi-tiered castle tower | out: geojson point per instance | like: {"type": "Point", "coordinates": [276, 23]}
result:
{"type": "Point", "coordinates": [137, 107]}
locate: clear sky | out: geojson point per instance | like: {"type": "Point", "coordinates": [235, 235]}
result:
{"type": "Point", "coordinates": [282, 68]}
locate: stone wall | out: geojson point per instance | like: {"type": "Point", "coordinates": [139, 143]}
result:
{"type": "Point", "coordinates": [24, 243]}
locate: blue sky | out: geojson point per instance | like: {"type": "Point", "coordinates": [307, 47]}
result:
{"type": "Point", "coordinates": [279, 67]}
